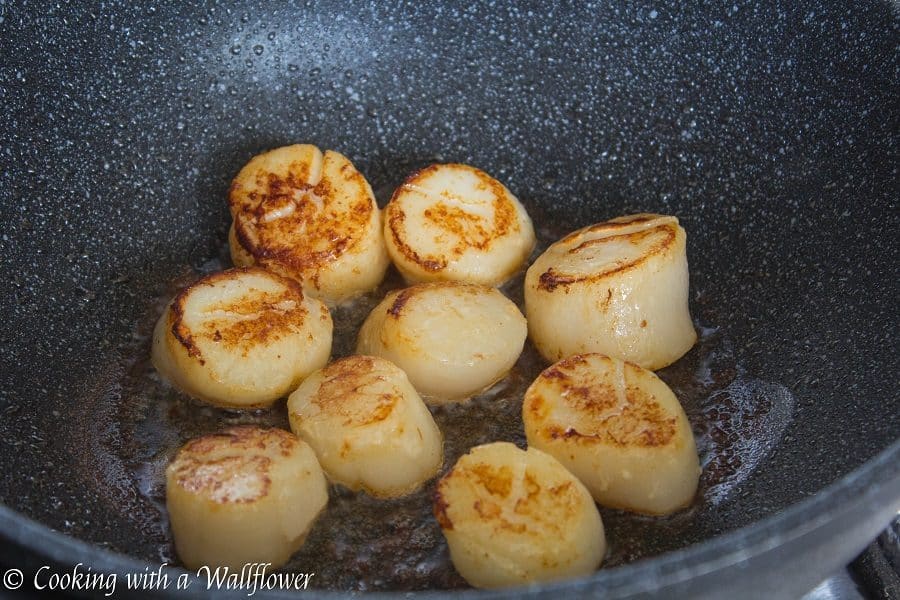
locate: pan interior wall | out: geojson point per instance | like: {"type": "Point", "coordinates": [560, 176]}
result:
{"type": "Point", "coordinates": [770, 132]}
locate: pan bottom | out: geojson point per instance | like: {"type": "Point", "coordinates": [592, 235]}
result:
{"type": "Point", "coordinates": [362, 543]}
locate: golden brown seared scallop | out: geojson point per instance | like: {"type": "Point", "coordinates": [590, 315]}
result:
{"type": "Point", "coordinates": [514, 517]}
{"type": "Point", "coordinates": [246, 494]}
{"type": "Point", "coordinates": [241, 338]}
{"type": "Point", "coordinates": [456, 222]}
{"type": "Point", "coordinates": [452, 339]}
{"type": "Point", "coordinates": [618, 428]}
{"type": "Point", "coordinates": [618, 287]}
{"type": "Point", "coordinates": [311, 217]}
{"type": "Point", "coordinates": [368, 426]}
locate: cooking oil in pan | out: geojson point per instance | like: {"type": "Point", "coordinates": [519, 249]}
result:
{"type": "Point", "coordinates": [362, 543]}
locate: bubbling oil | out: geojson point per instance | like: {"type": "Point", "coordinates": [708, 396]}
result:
{"type": "Point", "coordinates": [363, 543]}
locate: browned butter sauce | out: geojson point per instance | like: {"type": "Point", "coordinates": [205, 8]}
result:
{"type": "Point", "coordinates": [361, 543]}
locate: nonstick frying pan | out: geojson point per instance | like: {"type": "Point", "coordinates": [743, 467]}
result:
{"type": "Point", "coordinates": [769, 129]}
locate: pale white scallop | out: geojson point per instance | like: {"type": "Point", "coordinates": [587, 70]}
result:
{"type": "Point", "coordinates": [452, 339]}
{"type": "Point", "coordinates": [618, 428]}
{"type": "Point", "coordinates": [456, 222]}
{"type": "Point", "coordinates": [618, 287]}
{"type": "Point", "coordinates": [241, 338]}
{"type": "Point", "coordinates": [368, 426]}
{"type": "Point", "coordinates": [514, 517]}
{"type": "Point", "coordinates": [245, 495]}
{"type": "Point", "coordinates": [309, 216]}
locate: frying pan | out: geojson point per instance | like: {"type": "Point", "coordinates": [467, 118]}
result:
{"type": "Point", "coordinates": [770, 130]}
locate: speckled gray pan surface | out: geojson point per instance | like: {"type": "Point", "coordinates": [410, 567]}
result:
{"type": "Point", "coordinates": [771, 131]}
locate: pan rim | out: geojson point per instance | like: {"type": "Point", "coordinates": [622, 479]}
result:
{"type": "Point", "coordinates": [869, 485]}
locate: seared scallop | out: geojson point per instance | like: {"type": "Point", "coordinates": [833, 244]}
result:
{"type": "Point", "coordinates": [456, 222]}
{"type": "Point", "coordinates": [452, 339]}
{"type": "Point", "coordinates": [311, 217]}
{"type": "Point", "coordinates": [245, 495]}
{"type": "Point", "coordinates": [368, 426]}
{"type": "Point", "coordinates": [618, 287]}
{"type": "Point", "coordinates": [618, 428]}
{"type": "Point", "coordinates": [241, 338]}
{"type": "Point", "coordinates": [514, 517]}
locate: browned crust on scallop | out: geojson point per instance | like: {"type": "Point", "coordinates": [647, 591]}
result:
{"type": "Point", "coordinates": [627, 221]}
{"type": "Point", "coordinates": [210, 478]}
{"type": "Point", "coordinates": [346, 377]}
{"type": "Point", "coordinates": [496, 481]}
{"type": "Point", "coordinates": [549, 280]}
{"type": "Point", "coordinates": [404, 297]}
{"type": "Point", "coordinates": [536, 499]}
{"type": "Point", "coordinates": [209, 465]}
{"type": "Point", "coordinates": [243, 334]}
{"type": "Point", "coordinates": [471, 231]}
{"type": "Point", "coordinates": [440, 505]}
{"type": "Point", "coordinates": [494, 484]}
{"type": "Point", "coordinates": [399, 302]}
{"type": "Point", "coordinates": [642, 423]}
{"type": "Point", "coordinates": [245, 437]}
{"type": "Point", "coordinates": [328, 234]}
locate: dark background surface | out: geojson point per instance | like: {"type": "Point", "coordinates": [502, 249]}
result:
{"type": "Point", "coordinates": [770, 131]}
